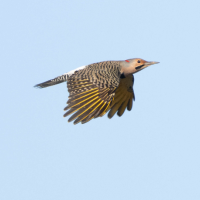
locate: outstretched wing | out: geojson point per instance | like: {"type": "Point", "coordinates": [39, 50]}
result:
{"type": "Point", "coordinates": [87, 100]}
{"type": "Point", "coordinates": [124, 96]}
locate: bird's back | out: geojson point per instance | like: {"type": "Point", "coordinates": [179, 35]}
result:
{"type": "Point", "coordinates": [102, 74]}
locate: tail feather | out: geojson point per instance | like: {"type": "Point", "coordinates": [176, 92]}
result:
{"type": "Point", "coordinates": [58, 79]}
{"type": "Point", "coordinates": [54, 81]}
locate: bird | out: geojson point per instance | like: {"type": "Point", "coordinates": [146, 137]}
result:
{"type": "Point", "coordinates": [100, 87]}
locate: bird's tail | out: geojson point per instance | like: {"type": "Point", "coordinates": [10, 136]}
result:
{"type": "Point", "coordinates": [54, 81]}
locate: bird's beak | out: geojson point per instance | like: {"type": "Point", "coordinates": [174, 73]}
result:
{"type": "Point", "coordinates": [150, 63]}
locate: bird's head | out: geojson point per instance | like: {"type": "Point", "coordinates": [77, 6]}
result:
{"type": "Point", "coordinates": [132, 66]}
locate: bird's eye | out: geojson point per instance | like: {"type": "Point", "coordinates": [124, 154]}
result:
{"type": "Point", "coordinates": [138, 61]}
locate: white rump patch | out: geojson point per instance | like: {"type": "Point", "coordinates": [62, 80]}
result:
{"type": "Point", "coordinates": [77, 69]}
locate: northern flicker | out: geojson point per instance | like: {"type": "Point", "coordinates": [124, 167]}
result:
{"type": "Point", "coordinates": [98, 88]}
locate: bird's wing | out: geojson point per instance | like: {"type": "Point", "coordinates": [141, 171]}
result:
{"type": "Point", "coordinates": [124, 96]}
{"type": "Point", "coordinates": [87, 100]}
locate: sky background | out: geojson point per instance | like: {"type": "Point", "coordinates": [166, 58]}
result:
{"type": "Point", "coordinates": [152, 152]}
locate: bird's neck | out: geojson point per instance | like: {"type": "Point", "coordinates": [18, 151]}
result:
{"type": "Point", "coordinates": [127, 70]}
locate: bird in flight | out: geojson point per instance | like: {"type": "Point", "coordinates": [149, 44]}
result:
{"type": "Point", "coordinates": [98, 88]}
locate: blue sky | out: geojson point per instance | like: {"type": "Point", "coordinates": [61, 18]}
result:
{"type": "Point", "coordinates": [152, 152]}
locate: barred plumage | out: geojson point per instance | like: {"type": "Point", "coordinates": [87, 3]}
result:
{"type": "Point", "coordinates": [100, 87]}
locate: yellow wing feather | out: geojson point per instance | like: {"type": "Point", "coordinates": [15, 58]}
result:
{"type": "Point", "coordinates": [124, 97]}
{"type": "Point", "coordinates": [87, 101]}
